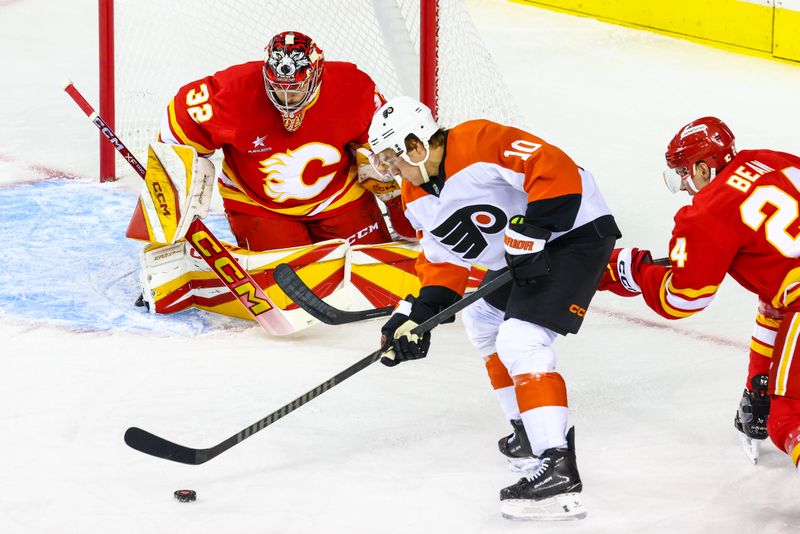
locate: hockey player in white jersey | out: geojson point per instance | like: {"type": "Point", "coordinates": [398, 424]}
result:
{"type": "Point", "coordinates": [495, 196]}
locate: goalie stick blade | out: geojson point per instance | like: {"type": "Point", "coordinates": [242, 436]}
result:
{"type": "Point", "coordinates": [144, 441]}
{"type": "Point", "coordinates": [301, 294]}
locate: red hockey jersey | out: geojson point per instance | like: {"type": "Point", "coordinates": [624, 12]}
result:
{"type": "Point", "coordinates": [745, 223]}
{"type": "Point", "coordinates": [267, 170]}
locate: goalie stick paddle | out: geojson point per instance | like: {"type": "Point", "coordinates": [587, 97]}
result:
{"type": "Point", "coordinates": [303, 296]}
{"type": "Point", "coordinates": [211, 250]}
{"type": "Point", "coordinates": [148, 443]}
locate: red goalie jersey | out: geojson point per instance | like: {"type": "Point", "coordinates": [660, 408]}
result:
{"type": "Point", "coordinates": [267, 169]}
{"type": "Point", "coordinates": [744, 223]}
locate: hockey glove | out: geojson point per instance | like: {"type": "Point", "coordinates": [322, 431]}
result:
{"type": "Point", "coordinates": [396, 337]}
{"type": "Point", "coordinates": [385, 188]}
{"type": "Point", "coordinates": [623, 268]}
{"type": "Point", "coordinates": [526, 256]}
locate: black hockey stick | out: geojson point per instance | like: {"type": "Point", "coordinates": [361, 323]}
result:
{"type": "Point", "coordinates": [148, 443]}
{"type": "Point", "coordinates": [302, 295]}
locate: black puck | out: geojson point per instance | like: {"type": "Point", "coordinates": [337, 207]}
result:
{"type": "Point", "coordinates": [186, 495]}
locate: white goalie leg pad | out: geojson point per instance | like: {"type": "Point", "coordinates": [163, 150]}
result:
{"type": "Point", "coordinates": [525, 348]}
{"type": "Point", "coordinates": [162, 265]}
{"type": "Point", "coordinates": [177, 188]}
{"type": "Point", "coordinates": [565, 507]}
{"type": "Point", "coordinates": [481, 323]}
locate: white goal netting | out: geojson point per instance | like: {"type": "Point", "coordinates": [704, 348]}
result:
{"type": "Point", "coordinates": [163, 44]}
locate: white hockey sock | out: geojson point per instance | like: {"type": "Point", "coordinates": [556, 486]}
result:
{"type": "Point", "coordinates": [508, 402]}
{"type": "Point", "coordinates": [546, 427]}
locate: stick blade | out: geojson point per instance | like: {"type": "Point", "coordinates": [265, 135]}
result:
{"type": "Point", "coordinates": [144, 441]}
{"type": "Point", "coordinates": [303, 296]}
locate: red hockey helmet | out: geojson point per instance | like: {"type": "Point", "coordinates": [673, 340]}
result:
{"type": "Point", "coordinates": [707, 139]}
{"type": "Point", "coordinates": [293, 65]}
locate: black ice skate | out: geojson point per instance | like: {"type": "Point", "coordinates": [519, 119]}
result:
{"type": "Point", "coordinates": [517, 449]}
{"type": "Point", "coordinates": [550, 493]}
{"type": "Point", "coordinates": [751, 417]}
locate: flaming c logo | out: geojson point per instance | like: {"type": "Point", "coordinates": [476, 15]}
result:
{"type": "Point", "coordinates": [284, 172]}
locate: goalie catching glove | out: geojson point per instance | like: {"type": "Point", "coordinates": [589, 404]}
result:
{"type": "Point", "coordinates": [624, 267]}
{"type": "Point", "coordinates": [385, 188]}
{"type": "Point", "coordinates": [397, 341]}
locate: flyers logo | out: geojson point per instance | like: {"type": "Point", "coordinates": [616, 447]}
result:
{"type": "Point", "coordinates": [463, 230]}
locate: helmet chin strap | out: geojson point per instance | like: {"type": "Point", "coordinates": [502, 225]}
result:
{"type": "Point", "coordinates": [690, 181]}
{"type": "Point", "coordinates": [420, 165]}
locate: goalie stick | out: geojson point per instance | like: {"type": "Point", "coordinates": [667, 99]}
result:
{"type": "Point", "coordinates": [211, 250]}
{"type": "Point", "coordinates": [303, 296]}
{"type": "Point", "coordinates": [148, 443]}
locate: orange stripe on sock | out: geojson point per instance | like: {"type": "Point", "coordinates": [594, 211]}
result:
{"type": "Point", "coordinates": [498, 374]}
{"type": "Point", "coordinates": [540, 389]}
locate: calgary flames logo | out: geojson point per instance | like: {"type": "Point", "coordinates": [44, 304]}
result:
{"type": "Point", "coordinates": [284, 172]}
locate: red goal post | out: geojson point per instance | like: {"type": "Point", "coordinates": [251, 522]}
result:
{"type": "Point", "coordinates": [425, 48]}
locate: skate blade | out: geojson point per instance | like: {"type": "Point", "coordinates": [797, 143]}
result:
{"type": "Point", "coordinates": [523, 465]}
{"type": "Point", "coordinates": [564, 507]}
{"type": "Point", "coordinates": [751, 447]}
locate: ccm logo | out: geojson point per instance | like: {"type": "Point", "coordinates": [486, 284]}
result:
{"type": "Point", "coordinates": [577, 310]}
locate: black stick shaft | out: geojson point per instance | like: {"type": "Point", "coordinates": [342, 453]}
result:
{"type": "Point", "coordinates": [153, 445]}
{"type": "Point", "coordinates": [303, 296]}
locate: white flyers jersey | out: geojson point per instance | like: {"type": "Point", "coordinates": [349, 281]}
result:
{"type": "Point", "coordinates": [491, 174]}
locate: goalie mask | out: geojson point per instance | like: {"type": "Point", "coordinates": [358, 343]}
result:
{"type": "Point", "coordinates": [391, 125]}
{"type": "Point", "coordinates": [707, 139]}
{"type": "Point", "coordinates": [293, 66]}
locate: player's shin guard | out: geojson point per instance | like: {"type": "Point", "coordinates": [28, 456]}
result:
{"type": "Point", "coordinates": [542, 400]}
{"type": "Point", "coordinates": [503, 386]}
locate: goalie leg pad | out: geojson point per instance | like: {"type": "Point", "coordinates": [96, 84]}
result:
{"type": "Point", "coordinates": [176, 189]}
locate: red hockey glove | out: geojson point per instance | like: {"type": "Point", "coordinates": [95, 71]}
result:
{"type": "Point", "coordinates": [622, 269]}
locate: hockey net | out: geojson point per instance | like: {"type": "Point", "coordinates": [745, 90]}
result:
{"type": "Point", "coordinates": [161, 45]}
